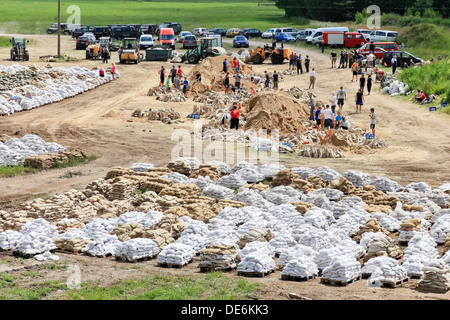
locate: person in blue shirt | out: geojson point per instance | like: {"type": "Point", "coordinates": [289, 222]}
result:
{"type": "Point", "coordinates": [338, 121]}
{"type": "Point", "coordinates": [318, 110]}
{"type": "Point", "coordinates": [185, 86]}
{"type": "Point", "coordinates": [225, 65]}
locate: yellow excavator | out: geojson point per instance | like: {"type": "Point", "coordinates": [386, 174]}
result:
{"type": "Point", "coordinates": [276, 55]}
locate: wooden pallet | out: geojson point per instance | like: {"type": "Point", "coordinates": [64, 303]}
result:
{"type": "Point", "coordinates": [294, 278]}
{"type": "Point", "coordinates": [118, 258]}
{"type": "Point", "coordinates": [104, 256]}
{"type": "Point", "coordinates": [365, 275]}
{"type": "Point", "coordinates": [171, 265]}
{"type": "Point", "coordinates": [254, 274]}
{"type": "Point", "coordinates": [415, 276]}
{"type": "Point", "coordinates": [203, 269]}
{"type": "Point", "coordinates": [393, 284]}
{"type": "Point", "coordinates": [59, 250]}
{"type": "Point", "coordinates": [338, 282]}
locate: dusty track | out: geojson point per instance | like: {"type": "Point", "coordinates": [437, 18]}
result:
{"type": "Point", "coordinates": [96, 121]}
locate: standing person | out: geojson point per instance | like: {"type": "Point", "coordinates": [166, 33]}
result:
{"type": "Point", "coordinates": [318, 117]}
{"type": "Point", "coordinates": [275, 80]}
{"type": "Point", "coordinates": [333, 58]}
{"type": "Point", "coordinates": [394, 64]}
{"type": "Point", "coordinates": [162, 74]}
{"type": "Point", "coordinates": [342, 95]}
{"type": "Point", "coordinates": [225, 65]}
{"type": "Point", "coordinates": [291, 60]}
{"type": "Point", "coordinates": [267, 79]}
{"type": "Point", "coordinates": [173, 73]}
{"type": "Point", "coordinates": [312, 106]}
{"type": "Point", "coordinates": [371, 60]}
{"type": "Point", "coordinates": [359, 99]}
{"type": "Point", "coordinates": [234, 118]}
{"type": "Point", "coordinates": [369, 84]}
{"type": "Point", "coordinates": [180, 72]}
{"type": "Point", "coordinates": [185, 86]}
{"type": "Point", "coordinates": [235, 64]}
{"type": "Point", "coordinates": [373, 120]}
{"type": "Point", "coordinates": [177, 82]}
{"type": "Point", "coordinates": [113, 71]}
{"type": "Point", "coordinates": [333, 101]}
{"type": "Point", "coordinates": [342, 60]}
{"type": "Point", "coordinates": [307, 61]}
{"type": "Point", "coordinates": [345, 59]}
{"type": "Point", "coordinates": [226, 82]}
{"type": "Point", "coordinates": [350, 58]}
{"type": "Point", "coordinates": [168, 84]}
{"type": "Point", "coordinates": [355, 68]}
{"type": "Point", "coordinates": [322, 44]}
{"type": "Point", "coordinates": [312, 78]}
{"type": "Point", "coordinates": [226, 121]}
{"type": "Point", "coordinates": [362, 83]}
{"type": "Point", "coordinates": [237, 81]}
{"type": "Point", "coordinates": [105, 55]}
{"type": "Point", "coordinates": [327, 116]}
{"type": "Point", "coordinates": [299, 64]}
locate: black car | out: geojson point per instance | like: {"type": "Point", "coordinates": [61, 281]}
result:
{"type": "Point", "coordinates": [70, 28]}
{"type": "Point", "coordinates": [83, 42]}
{"type": "Point", "coordinates": [102, 32]}
{"type": "Point", "coordinates": [402, 57]}
{"type": "Point", "coordinates": [149, 29]}
{"type": "Point", "coordinates": [220, 31]}
{"type": "Point", "coordinates": [250, 33]}
{"type": "Point", "coordinates": [120, 32]}
{"type": "Point", "coordinates": [174, 25]}
{"type": "Point", "coordinates": [54, 28]}
{"type": "Point", "coordinates": [80, 31]}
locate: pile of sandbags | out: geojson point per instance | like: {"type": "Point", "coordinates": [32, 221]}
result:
{"type": "Point", "coordinates": [136, 249]}
{"type": "Point", "coordinates": [375, 263]}
{"type": "Point", "coordinates": [256, 263]}
{"type": "Point", "coordinates": [302, 267]}
{"type": "Point", "coordinates": [436, 277]}
{"type": "Point", "coordinates": [160, 236]}
{"type": "Point", "coordinates": [255, 234]}
{"type": "Point", "coordinates": [342, 269]}
{"type": "Point", "coordinates": [319, 151]}
{"type": "Point", "coordinates": [176, 254]}
{"type": "Point", "coordinates": [408, 228]}
{"type": "Point", "coordinates": [372, 225]}
{"type": "Point", "coordinates": [346, 248]}
{"type": "Point", "coordinates": [126, 232]}
{"type": "Point", "coordinates": [382, 245]}
{"type": "Point", "coordinates": [389, 273]}
{"type": "Point", "coordinates": [359, 179]}
{"type": "Point", "coordinates": [219, 257]}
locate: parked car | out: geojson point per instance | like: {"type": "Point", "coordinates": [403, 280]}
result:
{"type": "Point", "coordinates": [220, 31]}
{"type": "Point", "coordinates": [378, 48]}
{"type": "Point", "coordinates": [317, 40]}
{"type": "Point", "coordinates": [365, 32]}
{"type": "Point", "coordinates": [402, 58]}
{"type": "Point", "coordinates": [250, 33]}
{"type": "Point", "coordinates": [84, 41]}
{"type": "Point", "coordinates": [232, 32]}
{"type": "Point", "coordinates": [80, 31]}
{"type": "Point", "coordinates": [284, 37]}
{"type": "Point", "coordinates": [290, 31]}
{"type": "Point", "coordinates": [240, 42]}
{"type": "Point", "coordinates": [268, 33]}
{"type": "Point", "coordinates": [102, 32]}
{"type": "Point", "coordinates": [199, 31]}
{"type": "Point", "coordinates": [189, 42]}
{"type": "Point", "coordinates": [382, 35]}
{"type": "Point", "coordinates": [336, 39]}
{"type": "Point", "coordinates": [302, 34]}
{"type": "Point", "coordinates": [145, 41]}
{"type": "Point", "coordinates": [319, 32]}
{"type": "Point", "coordinates": [167, 37]}
{"type": "Point", "coordinates": [120, 32]}
{"type": "Point", "coordinates": [183, 34]}
{"type": "Point", "coordinates": [149, 29]}
{"type": "Point", "coordinates": [54, 28]}
{"type": "Point", "coordinates": [174, 25]}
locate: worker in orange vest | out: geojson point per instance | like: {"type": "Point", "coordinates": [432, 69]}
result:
{"type": "Point", "coordinates": [234, 117]}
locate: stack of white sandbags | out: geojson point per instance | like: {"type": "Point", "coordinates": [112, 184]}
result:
{"type": "Point", "coordinates": [282, 242]}
{"type": "Point", "coordinates": [375, 263]}
{"type": "Point", "coordinates": [420, 187]}
{"type": "Point", "coordinates": [303, 172]}
{"type": "Point", "coordinates": [37, 237]}
{"type": "Point", "coordinates": [217, 192]}
{"type": "Point", "coordinates": [441, 229]}
{"type": "Point", "coordinates": [250, 174]}
{"type": "Point", "coordinates": [202, 182]}
{"type": "Point", "coordinates": [47, 255]}
{"type": "Point", "coordinates": [300, 267]}
{"type": "Point", "coordinates": [9, 239]}
{"type": "Point", "coordinates": [141, 167]}
{"type": "Point", "coordinates": [318, 238]}
{"type": "Point", "coordinates": [436, 277]}
{"type": "Point", "coordinates": [386, 184]}
{"type": "Point", "coordinates": [231, 214]}
{"type": "Point", "coordinates": [254, 246]}
{"type": "Point", "coordinates": [269, 170]}
{"type": "Point", "coordinates": [342, 269]}
{"type": "Point", "coordinates": [319, 200]}
{"type": "Point", "coordinates": [351, 221]}
{"type": "Point", "coordinates": [390, 223]}
{"type": "Point", "coordinates": [176, 253]}
{"type": "Point", "coordinates": [252, 197]}
{"type": "Point", "coordinates": [358, 179]}
{"type": "Point", "coordinates": [102, 243]}
{"type": "Point", "coordinates": [135, 249]}
{"type": "Point", "coordinates": [242, 165]}
{"type": "Point", "coordinates": [389, 273]}
{"type": "Point", "coordinates": [290, 253]}
{"type": "Point", "coordinates": [194, 227]}
{"type": "Point", "coordinates": [176, 177]}
{"type": "Point", "coordinates": [223, 235]}
{"type": "Point", "coordinates": [231, 181]}
{"type": "Point", "coordinates": [346, 248]}
{"type": "Point", "coordinates": [327, 173]}
{"type": "Point", "coordinates": [421, 248]}
{"type": "Point", "coordinates": [256, 262]}
{"type": "Point", "coordinates": [331, 194]}
{"type": "Point", "coordinates": [281, 195]}
{"type": "Point", "coordinates": [319, 218]}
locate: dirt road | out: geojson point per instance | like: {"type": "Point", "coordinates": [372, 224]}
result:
{"type": "Point", "coordinates": [96, 122]}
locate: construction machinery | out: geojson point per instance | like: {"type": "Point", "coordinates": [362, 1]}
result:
{"type": "Point", "coordinates": [276, 55]}
{"type": "Point", "coordinates": [94, 51]}
{"type": "Point", "coordinates": [129, 51]}
{"type": "Point", "coordinates": [19, 49]}
{"type": "Point", "coordinates": [205, 49]}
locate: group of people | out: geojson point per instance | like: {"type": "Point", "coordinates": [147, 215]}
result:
{"type": "Point", "coordinates": [346, 59]}
{"type": "Point", "coordinates": [175, 79]}
{"type": "Point", "coordinates": [296, 62]}
{"type": "Point", "coordinates": [102, 72]}
{"type": "Point", "coordinates": [231, 118]}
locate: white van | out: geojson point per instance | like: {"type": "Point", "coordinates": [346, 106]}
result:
{"type": "Point", "coordinates": [290, 31]}
{"type": "Point", "coordinates": [382, 35]}
{"type": "Point", "coordinates": [302, 34]}
{"type": "Point", "coordinates": [145, 41]}
{"type": "Point", "coordinates": [319, 32]}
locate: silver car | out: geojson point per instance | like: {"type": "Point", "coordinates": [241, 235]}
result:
{"type": "Point", "coordinates": [189, 42]}
{"type": "Point", "coordinates": [182, 35]}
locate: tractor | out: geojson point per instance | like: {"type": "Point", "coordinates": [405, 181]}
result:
{"type": "Point", "coordinates": [94, 51]}
{"type": "Point", "coordinates": [129, 51]}
{"type": "Point", "coordinates": [205, 49]}
{"type": "Point", "coordinates": [276, 55]}
{"type": "Point", "coordinates": [19, 50]}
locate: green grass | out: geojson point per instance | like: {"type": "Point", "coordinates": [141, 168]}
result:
{"type": "Point", "coordinates": [213, 286]}
{"type": "Point", "coordinates": [11, 289]}
{"type": "Point", "coordinates": [4, 42]}
{"type": "Point", "coordinates": [8, 172]}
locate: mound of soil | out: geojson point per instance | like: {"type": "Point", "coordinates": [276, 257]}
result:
{"type": "Point", "coordinates": [275, 110]}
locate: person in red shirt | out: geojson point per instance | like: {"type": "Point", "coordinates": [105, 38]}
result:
{"type": "Point", "coordinates": [179, 72]}
{"type": "Point", "coordinates": [234, 117]}
{"type": "Point", "coordinates": [235, 64]}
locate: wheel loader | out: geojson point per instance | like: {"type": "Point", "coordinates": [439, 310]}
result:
{"type": "Point", "coordinates": [94, 51]}
{"type": "Point", "coordinates": [276, 55]}
{"type": "Point", "coordinates": [129, 51]}
{"type": "Point", "coordinates": [19, 49]}
{"type": "Point", "coordinates": [205, 49]}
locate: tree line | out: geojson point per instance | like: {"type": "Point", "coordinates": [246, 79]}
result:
{"type": "Point", "coordinates": [345, 10]}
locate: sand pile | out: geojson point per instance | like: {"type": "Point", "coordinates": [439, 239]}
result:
{"type": "Point", "coordinates": [275, 110]}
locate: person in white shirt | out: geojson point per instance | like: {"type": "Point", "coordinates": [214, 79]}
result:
{"type": "Point", "coordinates": [370, 60]}
{"type": "Point", "coordinates": [328, 117]}
{"type": "Point", "coordinates": [312, 78]}
{"type": "Point", "coordinates": [333, 101]}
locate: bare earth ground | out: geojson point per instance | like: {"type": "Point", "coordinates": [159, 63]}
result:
{"type": "Point", "coordinates": [96, 122]}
